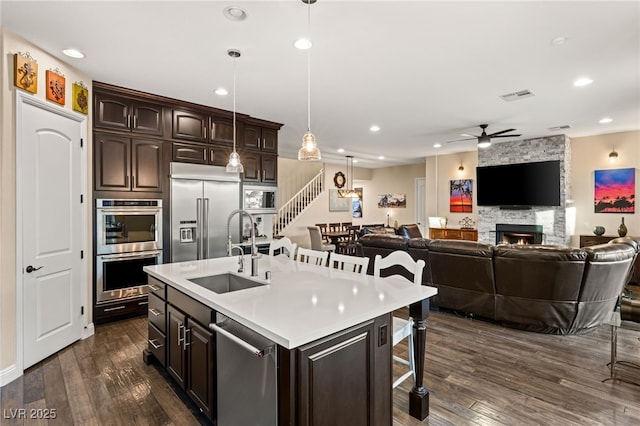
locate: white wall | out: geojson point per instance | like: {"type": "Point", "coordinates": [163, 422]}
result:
{"type": "Point", "coordinates": [12, 44]}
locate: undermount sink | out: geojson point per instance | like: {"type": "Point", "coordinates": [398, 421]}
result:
{"type": "Point", "coordinates": [225, 283]}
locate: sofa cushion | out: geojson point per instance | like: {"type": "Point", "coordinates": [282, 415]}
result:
{"type": "Point", "coordinates": [468, 248]}
{"type": "Point", "coordinates": [409, 231]}
{"type": "Point", "coordinates": [385, 240]}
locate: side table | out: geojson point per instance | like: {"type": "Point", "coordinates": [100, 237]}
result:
{"type": "Point", "coordinates": [615, 322]}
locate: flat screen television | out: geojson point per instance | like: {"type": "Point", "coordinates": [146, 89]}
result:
{"type": "Point", "coordinates": [519, 185]}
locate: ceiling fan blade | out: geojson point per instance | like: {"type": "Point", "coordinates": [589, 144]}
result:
{"type": "Point", "coordinates": [468, 135]}
{"type": "Point", "coordinates": [500, 132]}
{"type": "Point", "coordinates": [505, 136]}
{"type": "Point", "coordinates": [460, 140]}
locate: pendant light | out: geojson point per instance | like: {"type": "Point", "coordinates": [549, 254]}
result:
{"type": "Point", "coordinates": [349, 192]}
{"type": "Point", "coordinates": [309, 150]}
{"type": "Point", "coordinates": [234, 165]}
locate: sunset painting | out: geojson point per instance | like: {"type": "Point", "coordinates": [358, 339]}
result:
{"type": "Point", "coordinates": [461, 196]}
{"type": "Point", "coordinates": [615, 191]}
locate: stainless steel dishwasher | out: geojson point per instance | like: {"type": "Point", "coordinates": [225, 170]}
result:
{"type": "Point", "coordinates": [246, 370]}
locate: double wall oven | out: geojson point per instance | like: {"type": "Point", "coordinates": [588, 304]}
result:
{"type": "Point", "coordinates": [128, 237]}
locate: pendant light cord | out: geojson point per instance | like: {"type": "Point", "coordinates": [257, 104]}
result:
{"type": "Point", "coordinates": [309, 68]}
{"type": "Point", "coordinates": [234, 104]}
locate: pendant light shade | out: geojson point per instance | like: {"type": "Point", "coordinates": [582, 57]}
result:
{"type": "Point", "coordinates": [349, 192]}
{"type": "Point", "coordinates": [309, 150]}
{"type": "Point", "coordinates": [234, 165]}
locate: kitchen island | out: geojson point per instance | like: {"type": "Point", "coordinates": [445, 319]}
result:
{"type": "Point", "coordinates": [324, 334]}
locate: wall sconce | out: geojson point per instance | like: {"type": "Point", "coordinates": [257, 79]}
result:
{"type": "Point", "coordinates": [460, 170]}
{"type": "Point", "coordinates": [613, 156]}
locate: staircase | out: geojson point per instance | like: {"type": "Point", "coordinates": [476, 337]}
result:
{"type": "Point", "coordinates": [292, 208]}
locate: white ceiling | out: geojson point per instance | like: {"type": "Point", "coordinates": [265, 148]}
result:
{"type": "Point", "coordinates": [424, 71]}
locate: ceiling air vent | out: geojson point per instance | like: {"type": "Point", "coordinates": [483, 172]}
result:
{"type": "Point", "coordinates": [509, 97]}
{"type": "Point", "coordinates": [563, 127]}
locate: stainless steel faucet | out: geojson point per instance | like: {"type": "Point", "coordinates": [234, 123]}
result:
{"type": "Point", "coordinates": [240, 258]}
{"type": "Point", "coordinates": [254, 248]}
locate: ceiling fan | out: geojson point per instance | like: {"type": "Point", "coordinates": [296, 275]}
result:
{"type": "Point", "coordinates": [484, 140]}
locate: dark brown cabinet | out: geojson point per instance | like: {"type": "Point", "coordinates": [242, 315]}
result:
{"type": "Point", "coordinates": [198, 126]}
{"type": "Point", "coordinates": [126, 164]}
{"type": "Point", "coordinates": [453, 234]}
{"type": "Point", "coordinates": [259, 138]}
{"type": "Point", "coordinates": [212, 154]}
{"type": "Point", "coordinates": [176, 350]}
{"type": "Point", "coordinates": [259, 167]}
{"type": "Point", "coordinates": [126, 114]}
{"type": "Point", "coordinates": [200, 367]}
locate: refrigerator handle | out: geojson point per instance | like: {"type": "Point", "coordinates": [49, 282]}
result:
{"type": "Point", "coordinates": [199, 236]}
{"type": "Point", "coordinates": [205, 226]}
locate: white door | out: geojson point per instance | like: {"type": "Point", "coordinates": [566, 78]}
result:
{"type": "Point", "coordinates": [51, 218]}
{"type": "Point", "coordinates": [421, 206]}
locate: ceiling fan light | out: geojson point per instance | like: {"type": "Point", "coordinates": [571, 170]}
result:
{"type": "Point", "coordinates": [484, 144]}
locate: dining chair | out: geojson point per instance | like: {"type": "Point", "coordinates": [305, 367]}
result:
{"type": "Point", "coordinates": [402, 328]}
{"type": "Point", "coordinates": [282, 246]}
{"type": "Point", "coordinates": [355, 264]}
{"type": "Point", "coordinates": [316, 240]}
{"type": "Point", "coordinates": [323, 229]}
{"type": "Point", "coordinates": [350, 244]}
{"type": "Point", "coordinates": [333, 227]}
{"type": "Point", "coordinates": [314, 257]}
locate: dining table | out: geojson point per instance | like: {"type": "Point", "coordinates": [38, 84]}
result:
{"type": "Point", "coordinates": [336, 236]}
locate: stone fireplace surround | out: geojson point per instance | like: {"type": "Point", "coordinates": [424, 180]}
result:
{"type": "Point", "coordinates": [552, 219]}
{"type": "Point", "coordinates": [507, 233]}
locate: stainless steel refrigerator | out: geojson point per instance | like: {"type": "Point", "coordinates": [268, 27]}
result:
{"type": "Point", "coordinates": [202, 197]}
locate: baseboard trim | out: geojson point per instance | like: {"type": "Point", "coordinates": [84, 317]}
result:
{"type": "Point", "coordinates": [9, 374]}
{"type": "Point", "coordinates": [88, 331]}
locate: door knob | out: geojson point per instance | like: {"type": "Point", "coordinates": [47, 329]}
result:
{"type": "Point", "coordinates": [31, 269]}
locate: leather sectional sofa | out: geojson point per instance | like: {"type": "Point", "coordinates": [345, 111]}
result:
{"type": "Point", "coordinates": [547, 289]}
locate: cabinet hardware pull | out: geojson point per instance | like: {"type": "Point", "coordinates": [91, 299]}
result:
{"type": "Point", "coordinates": [133, 181]}
{"type": "Point", "coordinates": [264, 143]}
{"type": "Point", "coordinates": [180, 327]}
{"type": "Point", "coordinates": [126, 181]}
{"type": "Point", "coordinates": [153, 343]}
{"type": "Point", "coordinates": [204, 130]}
{"type": "Point", "coordinates": [184, 340]}
{"type": "Point", "coordinates": [258, 140]}
{"type": "Point", "coordinates": [143, 303]}
{"type": "Point", "coordinates": [155, 312]}
{"type": "Point", "coordinates": [153, 287]}
{"type": "Point", "coordinates": [211, 152]}
{"type": "Point", "coordinates": [128, 121]}
{"type": "Point", "coordinates": [113, 309]}
{"type": "Point", "coordinates": [135, 121]}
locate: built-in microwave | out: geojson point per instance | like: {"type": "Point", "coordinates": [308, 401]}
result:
{"type": "Point", "coordinates": [260, 199]}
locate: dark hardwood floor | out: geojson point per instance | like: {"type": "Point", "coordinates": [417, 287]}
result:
{"type": "Point", "coordinates": [477, 373]}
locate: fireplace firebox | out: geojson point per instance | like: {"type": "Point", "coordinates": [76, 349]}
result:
{"type": "Point", "coordinates": [518, 234]}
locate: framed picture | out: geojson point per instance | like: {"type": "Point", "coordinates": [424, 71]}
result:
{"type": "Point", "coordinates": [615, 191]}
{"type": "Point", "coordinates": [386, 201]}
{"type": "Point", "coordinates": [80, 98]}
{"type": "Point", "coordinates": [55, 87]}
{"type": "Point", "coordinates": [461, 196]}
{"type": "Point", "coordinates": [356, 204]}
{"type": "Point", "coordinates": [336, 203]}
{"type": "Point", "coordinates": [25, 72]}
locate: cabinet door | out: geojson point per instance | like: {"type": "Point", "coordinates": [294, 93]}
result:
{"type": "Point", "coordinates": [336, 378]}
{"type": "Point", "coordinates": [269, 165]}
{"type": "Point", "coordinates": [190, 125]}
{"type": "Point", "coordinates": [219, 155]}
{"type": "Point", "coordinates": [469, 235]}
{"type": "Point", "coordinates": [112, 166]}
{"type": "Point", "coordinates": [251, 164]}
{"type": "Point", "coordinates": [146, 118]}
{"type": "Point", "coordinates": [269, 140]}
{"type": "Point", "coordinates": [146, 162]}
{"type": "Point", "coordinates": [251, 138]}
{"type": "Point", "coordinates": [221, 130]}
{"type": "Point", "coordinates": [200, 361]}
{"type": "Point", "coordinates": [184, 153]}
{"type": "Point", "coordinates": [176, 355]}
{"type": "Point", "coordinates": [111, 112]}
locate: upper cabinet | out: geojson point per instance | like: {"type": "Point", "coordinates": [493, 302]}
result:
{"type": "Point", "coordinates": [127, 114]}
{"type": "Point", "coordinates": [198, 126]}
{"type": "Point", "coordinates": [259, 138]}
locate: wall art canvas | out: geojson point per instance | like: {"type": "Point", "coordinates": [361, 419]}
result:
{"type": "Point", "coordinates": [386, 201]}
{"type": "Point", "coordinates": [461, 196]}
{"type": "Point", "coordinates": [55, 87]}
{"type": "Point", "coordinates": [337, 203]}
{"type": "Point", "coordinates": [80, 98]}
{"type": "Point", "coordinates": [356, 204]}
{"type": "Point", "coordinates": [25, 72]}
{"type": "Point", "coordinates": [615, 191]}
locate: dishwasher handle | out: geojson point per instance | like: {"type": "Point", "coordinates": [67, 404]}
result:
{"type": "Point", "coordinates": [260, 353]}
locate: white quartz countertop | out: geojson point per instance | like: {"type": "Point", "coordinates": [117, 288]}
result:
{"type": "Point", "coordinates": [300, 303]}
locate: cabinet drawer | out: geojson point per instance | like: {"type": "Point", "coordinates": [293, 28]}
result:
{"type": "Point", "coordinates": [157, 287]}
{"type": "Point", "coordinates": [157, 312]}
{"type": "Point", "coordinates": [196, 310]}
{"type": "Point", "coordinates": [157, 344]}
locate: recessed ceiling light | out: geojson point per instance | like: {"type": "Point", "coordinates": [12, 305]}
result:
{"type": "Point", "coordinates": [437, 145]}
{"type": "Point", "coordinates": [380, 157]}
{"type": "Point", "coordinates": [234, 13]}
{"type": "Point", "coordinates": [605, 120]}
{"type": "Point", "coordinates": [374, 128]}
{"type": "Point", "coordinates": [73, 53]}
{"type": "Point", "coordinates": [559, 40]}
{"type": "Point", "coordinates": [221, 91]}
{"type": "Point", "coordinates": [354, 160]}
{"type": "Point", "coordinates": [303, 44]}
{"type": "Point", "coordinates": [582, 82]}
{"type": "Point", "coordinates": [340, 149]}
